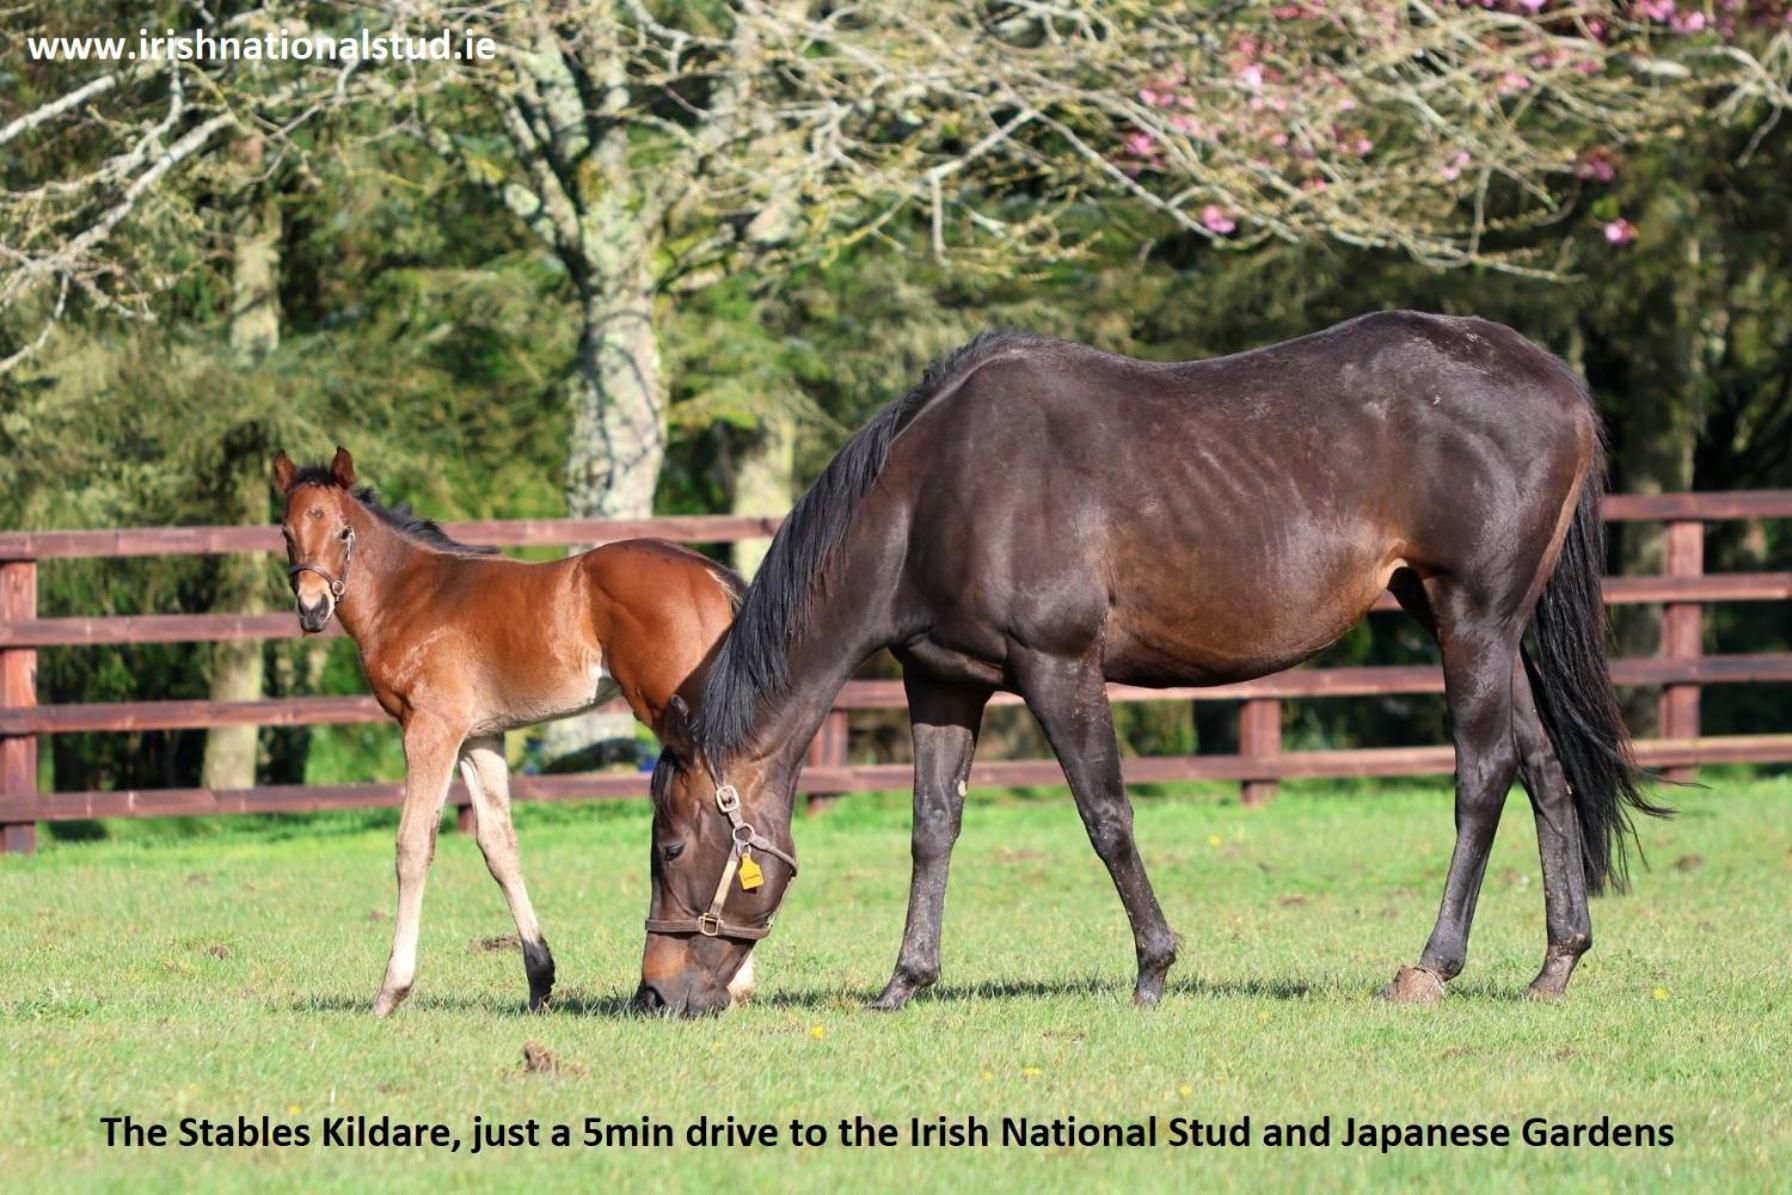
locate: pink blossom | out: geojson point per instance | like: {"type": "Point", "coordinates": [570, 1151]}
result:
{"type": "Point", "coordinates": [1140, 144]}
{"type": "Point", "coordinates": [1452, 169]}
{"type": "Point", "coordinates": [1656, 10]}
{"type": "Point", "coordinates": [1687, 22]}
{"type": "Point", "coordinates": [1620, 232]}
{"type": "Point", "coordinates": [1215, 218]}
{"type": "Point", "coordinates": [1532, 5]}
{"type": "Point", "coordinates": [1597, 164]}
{"type": "Point", "coordinates": [1252, 74]}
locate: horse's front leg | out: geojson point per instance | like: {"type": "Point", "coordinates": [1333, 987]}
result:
{"type": "Point", "coordinates": [1070, 699]}
{"type": "Point", "coordinates": [430, 748]}
{"type": "Point", "coordinates": [945, 721]}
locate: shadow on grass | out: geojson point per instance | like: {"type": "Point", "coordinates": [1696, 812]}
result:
{"type": "Point", "coordinates": [619, 1005]}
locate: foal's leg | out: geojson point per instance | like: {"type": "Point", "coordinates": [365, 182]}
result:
{"type": "Point", "coordinates": [1071, 702]}
{"type": "Point", "coordinates": [945, 720]}
{"type": "Point", "coordinates": [1479, 653]}
{"type": "Point", "coordinates": [482, 767]}
{"type": "Point", "coordinates": [429, 751]}
{"type": "Point", "coordinates": [1558, 841]}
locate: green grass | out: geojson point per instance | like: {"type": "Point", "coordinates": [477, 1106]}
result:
{"type": "Point", "coordinates": [225, 970]}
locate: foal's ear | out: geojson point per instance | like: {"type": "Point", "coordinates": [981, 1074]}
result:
{"type": "Point", "coordinates": [342, 468]}
{"type": "Point", "coordinates": [675, 726]}
{"type": "Point", "coordinates": [284, 472]}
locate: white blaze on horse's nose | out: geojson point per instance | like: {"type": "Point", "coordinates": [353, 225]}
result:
{"type": "Point", "coordinates": [740, 988]}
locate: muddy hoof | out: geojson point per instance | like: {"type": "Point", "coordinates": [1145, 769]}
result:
{"type": "Point", "coordinates": [1542, 993]}
{"type": "Point", "coordinates": [1414, 985]}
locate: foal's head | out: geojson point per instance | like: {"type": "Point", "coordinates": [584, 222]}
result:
{"type": "Point", "coordinates": [708, 908]}
{"type": "Point", "coordinates": [320, 542]}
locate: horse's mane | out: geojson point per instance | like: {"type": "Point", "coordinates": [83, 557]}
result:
{"type": "Point", "coordinates": [753, 662]}
{"type": "Point", "coordinates": [401, 518]}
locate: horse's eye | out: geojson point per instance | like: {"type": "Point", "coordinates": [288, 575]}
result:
{"type": "Point", "coordinates": [671, 851]}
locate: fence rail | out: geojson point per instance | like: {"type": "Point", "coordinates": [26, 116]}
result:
{"type": "Point", "coordinates": [1680, 668]}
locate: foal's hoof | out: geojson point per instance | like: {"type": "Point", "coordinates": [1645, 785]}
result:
{"type": "Point", "coordinates": [1414, 985]}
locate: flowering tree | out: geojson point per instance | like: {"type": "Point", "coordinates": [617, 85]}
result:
{"type": "Point", "coordinates": [1454, 132]}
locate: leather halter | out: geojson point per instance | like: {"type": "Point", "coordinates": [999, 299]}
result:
{"type": "Point", "coordinates": [710, 924]}
{"type": "Point", "coordinates": [338, 585]}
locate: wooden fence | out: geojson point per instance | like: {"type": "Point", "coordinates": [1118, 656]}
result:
{"type": "Point", "coordinates": [1680, 667]}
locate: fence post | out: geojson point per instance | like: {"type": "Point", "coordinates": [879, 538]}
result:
{"type": "Point", "coordinates": [1682, 626]}
{"type": "Point", "coordinates": [827, 750]}
{"type": "Point", "coordinates": [1259, 738]}
{"type": "Point", "coordinates": [18, 690]}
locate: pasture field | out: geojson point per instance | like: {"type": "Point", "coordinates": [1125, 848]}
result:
{"type": "Point", "coordinates": [224, 968]}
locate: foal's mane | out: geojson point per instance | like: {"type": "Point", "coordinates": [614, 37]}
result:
{"type": "Point", "coordinates": [753, 660]}
{"type": "Point", "coordinates": [401, 518]}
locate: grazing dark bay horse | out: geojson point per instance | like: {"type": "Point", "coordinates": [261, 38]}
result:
{"type": "Point", "coordinates": [460, 644]}
{"type": "Point", "coordinates": [1043, 517]}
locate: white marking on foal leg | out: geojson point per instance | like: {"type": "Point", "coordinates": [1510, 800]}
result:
{"type": "Point", "coordinates": [429, 753]}
{"type": "Point", "coordinates": [740, 988]}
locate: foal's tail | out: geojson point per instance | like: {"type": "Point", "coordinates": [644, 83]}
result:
{"type": "Point", "coordinates": [1575, 696]}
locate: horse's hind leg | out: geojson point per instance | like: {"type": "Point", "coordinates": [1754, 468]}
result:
{"type": "Point", "coordinates": [945, 720]}
{"type": "Point", "coordinates": [1558, 842]}
{"type": "Point", "coordinates": [1070, 700]}
{"type": "Point", "coordinates": [482, 766]}
{"type": "Point", "coordinates": [1480, 647]}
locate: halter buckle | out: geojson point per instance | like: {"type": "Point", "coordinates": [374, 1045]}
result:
{"type": "Point", "coordinates": [727, 798]}
{"type": "Point", "coordinates": [710, 925]}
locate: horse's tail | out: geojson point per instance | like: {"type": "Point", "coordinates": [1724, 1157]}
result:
{"type": "Point", "coordinates": [1575, 696]}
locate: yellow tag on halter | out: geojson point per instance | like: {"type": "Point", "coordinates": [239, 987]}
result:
{"type": "Point", "coordinates": [750, 875]}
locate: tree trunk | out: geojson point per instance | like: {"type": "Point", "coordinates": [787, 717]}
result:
{"type": "Point", "coordinates": [237, 668]}
{"type": "Point", "coordinates": [764, 481]}
{"type": "Point", "coordinates": [618, 436]}
{"type": "Point", "coordinates": [618, 401]}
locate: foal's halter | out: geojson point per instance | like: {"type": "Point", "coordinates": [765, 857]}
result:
{"type": "Point", "coordinates": [710, 924]}
{"type": "Point", "coordinates": [337, 584]}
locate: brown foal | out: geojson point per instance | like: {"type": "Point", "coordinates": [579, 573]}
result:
{"type": "Point", "coordinates": [460, 644]}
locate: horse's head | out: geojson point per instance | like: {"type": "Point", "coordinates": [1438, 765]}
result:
{"type": "Point", "coordinates": [320, 538]}
{"type": "Point", "coordinates": [722, 859]}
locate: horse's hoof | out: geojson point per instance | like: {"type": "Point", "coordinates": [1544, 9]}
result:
{"type": "Point", "coordinates": [1542, 993]}
{"type": "Point", "coordinates": [892, 999]}
{"type": "Point", "coordinates": [1414, 985]}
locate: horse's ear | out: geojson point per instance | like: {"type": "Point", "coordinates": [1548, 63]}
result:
{"type": "Point", "coordinates": [284, 472]}
{"type": "Point", "coordinates": [342, 468]}
{"type": "Point", "coordinates": [675, 726]}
